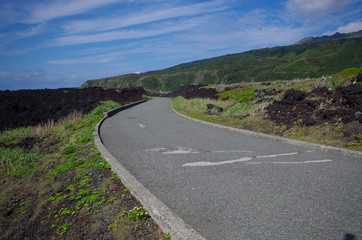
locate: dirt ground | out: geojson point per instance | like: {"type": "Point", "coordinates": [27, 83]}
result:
{"type": "Point", "coordinates": [31, 107]}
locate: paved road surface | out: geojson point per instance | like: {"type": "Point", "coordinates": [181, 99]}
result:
{"type": "Point", "coordinates": [230, 186]}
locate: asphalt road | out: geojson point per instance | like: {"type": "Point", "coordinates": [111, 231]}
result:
{"type": "Point", "coordinates": [230, 186]}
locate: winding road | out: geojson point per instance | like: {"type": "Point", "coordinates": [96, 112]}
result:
{"type": "Point", "coordinates": [226, 185]}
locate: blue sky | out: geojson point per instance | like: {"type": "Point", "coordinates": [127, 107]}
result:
{"type": "Point", "coordinates": [61, 43]}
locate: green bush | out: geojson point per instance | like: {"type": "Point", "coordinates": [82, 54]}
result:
{"type": "Point", "coordinates": [238, 95]}
{"type": "Point", "coordinates": [341, 78]}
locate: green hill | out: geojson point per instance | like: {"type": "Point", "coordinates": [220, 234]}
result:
{"type": "Point", "coordinates": [302, 60]}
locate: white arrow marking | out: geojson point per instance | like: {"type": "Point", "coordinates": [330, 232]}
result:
{"type": "Point", "coordinates": [207, 164]}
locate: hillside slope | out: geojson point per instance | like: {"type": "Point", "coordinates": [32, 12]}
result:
{"type": "Point", "coordinates": [313, 59]}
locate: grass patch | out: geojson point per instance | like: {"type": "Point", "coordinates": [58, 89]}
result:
{"type": "Point", "coordinates": [16, 161]}
{"type": "Point", "coordinates": [17, 135]}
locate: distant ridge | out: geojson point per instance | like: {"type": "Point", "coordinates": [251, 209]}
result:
{"type": "Point", "coordinates": [310, 57]}
{"type": "Point", "coordinates": [336, 36]}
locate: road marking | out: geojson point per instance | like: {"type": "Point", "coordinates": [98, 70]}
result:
{"type": "Point", "coordinates": [179, 150]}
{"type": "Point", "coordinates": [245, 160]}
{"type": "Point", "coordinates": [232, 151]}
{"type": "Point", "coordinates": [207, 164]}
{"type": "Point", "coordinates": [277, 155]}
{"type": "Point", "coordinates": [141, 125]}
{"type": "Point", "coordinates": [184, 150]}
{"type": "Point", "coordinates": [311, 161]}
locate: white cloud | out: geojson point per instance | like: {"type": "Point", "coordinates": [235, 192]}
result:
{"type": "Point", "coordinates": [316, 8]}
{"type": "Point", "coordinates": [61, 8]}
{"type": "Point", "coordinates": [350, 27]}
{"type": "Point", "coordinates": [146, 16]}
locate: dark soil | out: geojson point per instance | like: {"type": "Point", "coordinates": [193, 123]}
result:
{"type": "Point", "coordinates": [321, 106]}
{"type": "Point", "coordinates": [31, 107]}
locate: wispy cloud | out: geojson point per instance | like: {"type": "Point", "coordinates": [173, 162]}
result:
{"type": "Point", "coordinates": [350, 27]}
{"type": "Point", "coordinates": [101, 58]}
{"type": "Point", "coordinates": [145, 16]}
{"type": "Point", "coordinates": [60, 8]}
{"type": "Point", "coordinates": [157, 29]}
{"type": "Point", "coordinates": [32, 31]}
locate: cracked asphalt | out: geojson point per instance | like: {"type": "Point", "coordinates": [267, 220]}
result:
{"type": "Point", "coordinates": [230, 186]}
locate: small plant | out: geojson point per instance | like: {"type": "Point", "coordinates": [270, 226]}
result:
{"type": "Point", "coordinates": [64, 167]}
{"type": "Point", "coordinates": [113, 227]}
{"type": "Point", "coordinates": [167, 235]}
{"type": "Point", "coordinates": [64, 228]}
{"type": "Point", "coordinates": [136, 214]}
{"type": "Point", "coordinates": [127, 190]}
{"type": "Point", "coordinates": [339, 129]}
{"type": "Point", "coordinates": [115, 176]}
{"type": "Point", "coordinates": [111, 200]}
{"type": "Point", "coordinates": [56, 197]}
{"type": "Point", "coordinates": [64, 211]}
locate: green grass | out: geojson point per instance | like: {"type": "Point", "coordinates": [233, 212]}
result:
{"type": "Point", "coordinates": [16, 161]}
{"type": "Point", "coordinates": [238, 95]}
{"type": "Point", "coordinates": [17, 135]}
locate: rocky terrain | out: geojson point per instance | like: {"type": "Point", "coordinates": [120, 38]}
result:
{"type": "Point", "coordinates": [320, 106]}
{"type": "Point", "coordinates": [31, 107]}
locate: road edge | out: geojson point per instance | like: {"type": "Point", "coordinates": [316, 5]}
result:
{"type": "Point", "coordinates": [168, 221]}
{"type": "Point", "coordinates": [301, 143]}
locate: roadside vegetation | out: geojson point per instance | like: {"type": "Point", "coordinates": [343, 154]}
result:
{"type": "Point", "coordinates": [56, 185]}
{"type": "Point", "coordinates": [245, 106]}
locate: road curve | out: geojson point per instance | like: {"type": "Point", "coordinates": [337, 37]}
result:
{"type": "Point", "coordinates": [230, 186]}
